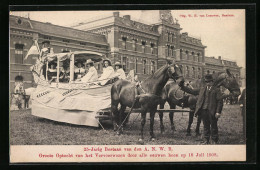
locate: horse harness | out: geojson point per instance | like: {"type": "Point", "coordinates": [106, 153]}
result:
{"type": "Point", "coordinates": [137, 93]}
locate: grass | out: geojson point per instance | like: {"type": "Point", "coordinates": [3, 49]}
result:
{"type": "Point", "coordinates": [26, 129]}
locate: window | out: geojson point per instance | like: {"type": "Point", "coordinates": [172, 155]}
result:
{"type": "Point", "coordinates": [19, 53]}
{"type": "Point", "coordinates": [181, 67]}
{"type": "Point", "coordinates": [136, 64]}
{"type": "Point", "coordinates": [143, 46]}
{"type": "Point", "coordinates": [144, 66]}
{"type": "Point", "coordinates": [152, 48]}
{"type": "Point", "coordinates": [199, 75]}
{"type": "Point", "coordinates": [173, 36]}
{"type": "Point", "coordinates": [181, 55]}
{"type": "Point", "coordinates": [168, 50]}
{"type": "Point", "coordinates": [134, 44]}
{"type": "Point", "coordinates": [193, 56]}
{"type": "Point", "coordinates": [187, 71]}
{"type": "Point", "coordinates": [152, 67]}
{"type": "Point", "coordinates": [66, 41]}
{"type": "Point", "coordinates": [193, 73]}
{"type": "Point", "coordinates": [124, 42]}
{"type": "Point", "coordinates": [172, 49]}
{"type": "Point", "coordinates": [199, 59]}
{"type": "Point", "coordinates": [124, 63]}
{"type": "Point", "coordinates": [187, 54]}
{"type": "Point", "coordinates": [82, 43]}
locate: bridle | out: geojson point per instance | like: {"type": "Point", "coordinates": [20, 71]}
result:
{"type": "Point", "coordinates": [173, 75]}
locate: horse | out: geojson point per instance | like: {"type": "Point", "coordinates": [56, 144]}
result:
{"type": "Point", "coordinates": [225, 79]}
{"type": "Point", "coordinates": [146, 95]}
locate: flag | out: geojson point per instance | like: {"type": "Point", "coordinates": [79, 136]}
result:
{"type": "Point", "coordinates": [34, 50]}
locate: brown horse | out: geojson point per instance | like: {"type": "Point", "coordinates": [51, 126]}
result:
{"type": "Point", "coordinates": [149, 92]}
{"type": "Point", "coordinates": [169, 94]}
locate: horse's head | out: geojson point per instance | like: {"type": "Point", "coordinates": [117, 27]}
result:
{"type": "Point", "coordinates": [175, 72]}
{"type": "Point", "coordinates": [229, 82]}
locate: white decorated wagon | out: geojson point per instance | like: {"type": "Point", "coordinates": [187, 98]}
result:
{"type": "Point", "coordinates": [65, 99]}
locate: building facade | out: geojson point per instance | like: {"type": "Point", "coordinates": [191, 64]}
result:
{"type": "Point", "coordinates": [139, 46]}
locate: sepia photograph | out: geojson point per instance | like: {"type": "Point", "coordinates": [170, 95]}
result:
{"type": "Point", "coordinates": [127, 85]}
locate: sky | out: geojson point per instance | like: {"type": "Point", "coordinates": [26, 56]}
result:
{"type": "Point", "coordinates": [223, 35]}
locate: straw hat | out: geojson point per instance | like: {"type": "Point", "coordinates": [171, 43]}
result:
{"type": "Point", "coordinates": [89, 61]}
{"type": "Point", "coordinates": [118, 64]}
{"type": "Point", "coordinates": [109, 62]}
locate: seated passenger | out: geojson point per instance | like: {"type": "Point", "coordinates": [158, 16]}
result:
{"type": "Point", "coordinates": [119, 71]}
{"type": "Point", "coordinates": [52, 72]}
{"type": "Point", "coordinates": [92, 74]}
{"type": "Point", "coordinates": [108, 72]}
{"type": "Point", "coordinates": [79, 70]}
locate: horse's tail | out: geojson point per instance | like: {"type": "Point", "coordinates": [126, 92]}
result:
{"type": "Point", "coordinates": [115, 91]}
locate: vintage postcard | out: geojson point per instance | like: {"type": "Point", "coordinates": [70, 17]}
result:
{"type": "Point", "coordinates": [127, 86]}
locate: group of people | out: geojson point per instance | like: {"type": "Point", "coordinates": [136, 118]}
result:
{"type": "Point", "coordinates": [108, 72]}
{"type": "Point", "coordinates": [90, 75]}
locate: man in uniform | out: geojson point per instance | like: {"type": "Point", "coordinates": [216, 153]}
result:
{"type": "Point", "coordinates": [209, 105]}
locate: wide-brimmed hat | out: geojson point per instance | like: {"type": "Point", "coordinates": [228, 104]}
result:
{"type": "Point", "coordinates": [106, 59]}
{"type": "Point", "coordinates": [208, 78]}
{"type": "Point", "coordinates": [118, 64]}
{"type": "Point", "coordinates": [89, 61]}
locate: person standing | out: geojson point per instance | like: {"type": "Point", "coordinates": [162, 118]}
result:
{"type": "Point", "coordinates": [209, 106]}
{"type": "Point", "coordinates": [119, 71]}
{"type": "Point", "coordinates": [92, 74]}
{"type": "Point", "coordinates": [108, 72]}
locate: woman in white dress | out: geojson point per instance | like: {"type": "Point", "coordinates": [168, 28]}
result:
{"type": "Point", "coordinates": [119, 71]}
{"type": "Point", "coordinates": [92, 74]}
{"type": "Point", "coordinates": [108, 72]}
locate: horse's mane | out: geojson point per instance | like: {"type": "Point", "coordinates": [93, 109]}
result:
{"type": "Point", "coordinates": [149, 81]}
{"type": "Point", "coordinates": [156, 74]}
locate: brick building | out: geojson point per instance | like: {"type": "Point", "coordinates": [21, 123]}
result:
{"type": "Point", "coordinates": [144, 47]}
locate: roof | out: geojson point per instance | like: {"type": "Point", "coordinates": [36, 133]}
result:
{"type": "Point", "coordinates": [213, 60]}
{"type": "Point", "coordinates": [70, 33]}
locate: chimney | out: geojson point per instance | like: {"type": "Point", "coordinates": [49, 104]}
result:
{"type": "Point", "coordinates": [116, 14]}
{"type": "Point", "coordinates": [185, 33]}
{"type": "Point", "coordinates": [127, 17]}
{"type": "Point", "coordinates": [219, 57]}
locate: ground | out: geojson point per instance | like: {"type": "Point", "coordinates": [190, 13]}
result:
{"type": "Point", "coordinates": [26, 129]}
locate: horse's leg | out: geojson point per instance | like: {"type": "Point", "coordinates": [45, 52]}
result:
{"type": "Point", "coordinates": [115, 114]}
{"type": "Point", "coordinates": [198, 125]}
{"type": "Point", "coordinates": [122, 116]}
{"type": "Point", "coordinates": [152, 114]}
{"type": "Point", "coordinates": [161, 118]}
{"type": "Point", "coordinates": [171, 114]}
{"type": "Point", "coordinates": [191, 115]}
{"type": "Point", "coordinates": [143, 119]}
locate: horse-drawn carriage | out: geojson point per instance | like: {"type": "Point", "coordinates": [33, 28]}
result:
{"type": "Point", "coordinates": [80, 103]}
{"type": "Point", "coordinates": [66, 99]}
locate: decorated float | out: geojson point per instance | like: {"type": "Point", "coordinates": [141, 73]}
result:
{"type": "Point", "coordinates": [65, 99]}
